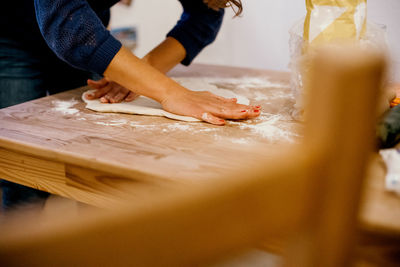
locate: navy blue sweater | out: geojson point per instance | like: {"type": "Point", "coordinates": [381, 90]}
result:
{"type": "Point", "coordinates": [75, 29]}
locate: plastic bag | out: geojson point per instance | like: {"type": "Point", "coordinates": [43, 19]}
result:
{"type": "Point", "coordinates": [375, 37]}
{"type": "Point", "coordinates": [333, 20]}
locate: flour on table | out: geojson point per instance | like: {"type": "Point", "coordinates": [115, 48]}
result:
{"type": "Point", "coordinates": [269, 126]}
{"type": "Point", "coordinates": [65, 107]}
{"type": "Point", "coordinates": [146, 106]}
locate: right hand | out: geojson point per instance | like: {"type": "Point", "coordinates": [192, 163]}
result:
{"type": "Point", "coordinates": [208, 107]}
{"type": "Point", "coordinates": [110, 92]}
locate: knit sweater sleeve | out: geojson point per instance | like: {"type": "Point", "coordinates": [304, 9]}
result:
{"type": "Point", "coordinates": [76, 34]}
{"type": "Point", "coordinates": [197, 27]}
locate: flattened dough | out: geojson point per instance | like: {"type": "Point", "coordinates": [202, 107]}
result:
{"type": "Point", "coordinates": [146, 106]}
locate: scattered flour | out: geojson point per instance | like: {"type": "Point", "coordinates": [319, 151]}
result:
{"type": "Point", "coordinates": [112, 122]}
{"type": "Point", "coordinates": [65, 107]}
{"type": "Point", "coordinates": [145, 127]}
{"type": "Point", "coordinates": [240, 140]}
{"type": "Point", "coordinates": [260, 96]}
{"type": "Point", "coordinates": [270, 127]}
{"type": "Point", "coordinates": [208, 130]}
{"type": "Point", "coordinates": [179, 126]}
{"type": "Point", "coordinates": [247, 82]}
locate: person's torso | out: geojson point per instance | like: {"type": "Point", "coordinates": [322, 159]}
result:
{"type": "Point", "coordinates": [18, 21]}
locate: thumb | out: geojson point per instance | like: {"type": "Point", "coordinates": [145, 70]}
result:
{"type": "Point", "coordinates": [207, 117]}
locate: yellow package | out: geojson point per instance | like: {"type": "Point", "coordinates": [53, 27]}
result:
{"type": "Point", "coordinates": [334, 20]}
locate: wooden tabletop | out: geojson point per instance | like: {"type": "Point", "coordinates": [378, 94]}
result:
{"type": "Point", "coordinates": [55, 144]}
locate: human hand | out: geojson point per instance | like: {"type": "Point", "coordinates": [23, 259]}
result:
{"type": "Point", "coordinates": [126, 2]}
{"type": "Point", "coordinates": [109, 92]}
{"type": "Point", "coordinates": [208, 107]}
{"type": "Point", "coordinates": [151, 82]}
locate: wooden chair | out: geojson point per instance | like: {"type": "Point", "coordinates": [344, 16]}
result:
{"type": "Point", "coordinates": [310, 194]}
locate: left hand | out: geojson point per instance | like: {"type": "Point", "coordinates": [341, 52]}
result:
{"type": "Point", "coordinates": [110, 92]}
{"type": "Point", "coordinates": [208, 107]}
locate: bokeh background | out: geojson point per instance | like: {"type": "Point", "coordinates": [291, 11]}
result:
{"type": "Point", "coordinates": [257, 39]}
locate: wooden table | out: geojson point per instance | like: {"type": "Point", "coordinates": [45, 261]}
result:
{"type": "Point", "coordinates": [55, 144]}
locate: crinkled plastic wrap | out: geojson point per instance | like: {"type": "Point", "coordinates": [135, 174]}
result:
{"type": "Point", "coordinates": [327, 22]}
{"type": "Point", "coordinates": [374, 37]}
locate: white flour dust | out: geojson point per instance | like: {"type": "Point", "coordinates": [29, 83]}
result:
{"type": "Point", "coordinates": [179, 126]}
{"type": "Point", "coordinates": [271, 127]}
{"type": "Point", "coordinates": [247, 82]}
{"type": "Point", "coordinates": [112, 122]}
{"type": "Point", "coordinates": [241, 141]}
{"type": "Point", "coordinates": [65, 107]}
{"type": "Point", "coordinates": [276, 94]}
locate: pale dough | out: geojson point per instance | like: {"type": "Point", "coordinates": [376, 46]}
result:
{"type": "Point", "coordinates": [146, 106]}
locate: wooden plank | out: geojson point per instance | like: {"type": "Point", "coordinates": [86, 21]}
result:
{"type": "Point", "coordinates": [82, 184]}
{"type": "Point", "coordinates": [42, 173]}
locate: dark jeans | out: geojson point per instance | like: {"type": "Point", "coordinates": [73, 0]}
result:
{"type": "Point", "coordinates": [27, 73]}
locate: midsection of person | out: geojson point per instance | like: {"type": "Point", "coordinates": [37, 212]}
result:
{"type": "Point", "coordinates": [29, 69]}
{"type": "Point", "coordinates": [47, 46]}
{"type": "Point", "coordinates": [73, 31]}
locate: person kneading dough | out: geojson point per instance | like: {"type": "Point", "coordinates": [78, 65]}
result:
{"type": "Point", "coordinates": [49, 46]}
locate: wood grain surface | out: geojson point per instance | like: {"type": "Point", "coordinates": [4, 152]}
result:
{"type": "Point", "coordinates": [55, 144]}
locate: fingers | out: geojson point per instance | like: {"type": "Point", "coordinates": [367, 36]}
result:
{"type": "Point", "coordinates": [131, 96]}
{"type": "Point", "coordinates": [101, 86]}
{"type": "Point", "coordinates": [109, 92]}
{"type": "Point", "coordinates": [254, 111]}
{"type": "Point", "coordinates": [228, 108]}
{"type": "Point", "coordinates": [219, 118]}
{"type": "Point", "coordinates": [119, 97]}
{"type": "Point", "coordinates": [234, 100]}
{"type": "Point", "coordinates": [100, 92]}
{"type": "Point", "coordinates": [111, 95]}
{"type": "Point", "coordinates": [239, 112]}
{"type": "Point", "coordinates": [104, 100]}
{"type": "Point", "coordinates": [97, 84]}
{"type": "Point", "coordinates": [236, 111]}
{"type": "Point", "coordinates": [117, 93]}
{"type": "Point", "coordinates": [208, 117]}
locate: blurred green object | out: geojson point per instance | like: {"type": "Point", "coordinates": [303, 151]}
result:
{"type": "Point", "coordinates": [127, 36]}
{"type": "Point", "coordinates": [388, 130]}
